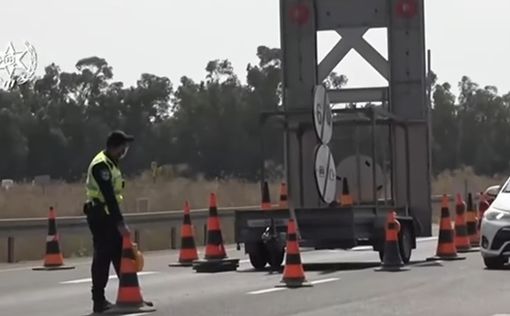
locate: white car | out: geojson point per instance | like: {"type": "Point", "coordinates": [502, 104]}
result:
{"type": "Point", "coordinates": [495, 230]}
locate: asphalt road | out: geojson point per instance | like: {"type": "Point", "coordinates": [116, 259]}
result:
{"type": "Point", "coordinates": [344, 283]}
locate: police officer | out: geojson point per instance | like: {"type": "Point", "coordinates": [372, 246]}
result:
{"type": "Point", "coordinates": [104, 186]}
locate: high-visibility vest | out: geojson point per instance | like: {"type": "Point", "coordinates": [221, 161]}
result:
{"type": "Point", "coordinates": [92, 189]}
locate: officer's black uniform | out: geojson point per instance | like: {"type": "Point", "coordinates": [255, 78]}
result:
{"type": "Point", "coordinates": [107, 239]}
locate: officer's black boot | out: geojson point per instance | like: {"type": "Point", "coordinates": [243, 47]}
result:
{"type": "Point", "coordinates": [101, 306]}
{"type": "Point", "coordinates": [100, 302]}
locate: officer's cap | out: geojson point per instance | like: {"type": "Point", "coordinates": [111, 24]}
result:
{"type": "Point", "coordinates": [118, 138]}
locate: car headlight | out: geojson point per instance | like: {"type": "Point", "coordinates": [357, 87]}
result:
{"type": "Point", "coordinates": [496, 215]}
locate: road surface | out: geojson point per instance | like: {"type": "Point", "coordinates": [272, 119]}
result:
{"type": "Point", "coordinates": [345, 283]}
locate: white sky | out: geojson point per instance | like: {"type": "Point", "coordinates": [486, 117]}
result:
{"type": "Point", "coordinates": [177, 37]}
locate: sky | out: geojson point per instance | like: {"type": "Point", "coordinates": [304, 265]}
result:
{"type": "Point", "coordinates": [174, 38]}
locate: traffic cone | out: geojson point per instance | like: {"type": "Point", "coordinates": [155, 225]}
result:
{"type": "Point", "coordinates": [461, 236]}
{"type": "Point", "coordinates": [215, 258]}
{"type": "Point", "coordinates": [129, 294]}
{"type": "Point", "coordinates": [188, 252]}
{"type": "Point", "coordinates": [446, 249]}
{"type": "Point", "coordinates": [283, 196]}
{"type": "Point", "coordinates": [483, 206]}
{"type": "Point", "coordinates": [392, 261]}
{"type": "Point", "coordinates": [293, 272]}
{"type": "Point", "coordinates": [345, 198]}
{"type": "Point", "coordinates": [266, 200]}
{"type": "Point", "coordinates": [471, 223]}
{"type": "Point", "coordinates": [53, 259]}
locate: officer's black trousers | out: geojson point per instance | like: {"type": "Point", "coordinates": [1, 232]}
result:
{"type": "Point", "coordinates": [107, 249]}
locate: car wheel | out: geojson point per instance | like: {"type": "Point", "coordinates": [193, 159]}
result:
{"type": "Point", "coordinates": [495, 262]}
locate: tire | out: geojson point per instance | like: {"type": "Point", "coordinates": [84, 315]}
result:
{"type": "Point", "coordinates": [493, 263]}
{"type": "Point", "coordinates": [258, 257]}
{"type": "Point", "coordinates": [405, 243]}
{"type": "Point", "coordinates": [276, 258]}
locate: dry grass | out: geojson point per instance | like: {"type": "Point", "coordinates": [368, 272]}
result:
{"type": "Point", "coordinates": [26, 200]}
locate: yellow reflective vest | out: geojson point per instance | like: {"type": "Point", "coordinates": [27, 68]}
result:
{"type": "Point", "coordinates": [92, 189]}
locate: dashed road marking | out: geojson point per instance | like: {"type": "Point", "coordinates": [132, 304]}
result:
{"type": "Point", "coordinates": [264, 291]}
{"type": "Point", "coordinates": [324, 281]}
{"type": "Point", "coordinates": [267, 290]}
{"type": "Point", "coordinates": [87, 280]}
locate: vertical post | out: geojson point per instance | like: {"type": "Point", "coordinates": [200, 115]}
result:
{"type": "Point", "coordinates": [406, 41]}
{"type": "Point", "coordinates": [374, 160]}
{"type": "Point", "coordinates": [408, 167]}
{"type": "Point", "coordinates": [172, 238]}
{"type": "Point", "coordinates": [262, 121]}
{"type": "Point", "coordinates": [358, 162]}
{"type": "Point", "coordinates": [298, 35]}
{"type": "Point", "coordinates": [10, 249]}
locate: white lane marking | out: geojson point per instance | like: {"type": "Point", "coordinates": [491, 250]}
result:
{"type": "Point", "coordinates": [267, 291]}
{"type": "Point", "coordinates": [324, 281]}
{"type": "Point", "coordinates": [284, 288]}
{"type": "Point", "coordinates": [423, 239]}
{"type": "Point", "coordinates": [244, 261]}
{"type": "Point", "coordinates": [110, 277]}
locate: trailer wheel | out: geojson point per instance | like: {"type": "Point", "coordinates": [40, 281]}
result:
{"type": "Point", "coordinates": [405, 243]}
{"type": "Point", "coordinates": [276, 258]}
{"type": "Point", "coordinates": [258, 256]}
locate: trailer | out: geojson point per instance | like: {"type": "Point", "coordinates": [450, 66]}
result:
{"type": "Point", "coordinates": [333, 226]}
{"type": "Point", "coordinates": [397, 117]}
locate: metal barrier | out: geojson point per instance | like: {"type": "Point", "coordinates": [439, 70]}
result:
{"type": "Point", "coordinates": [147, 221]}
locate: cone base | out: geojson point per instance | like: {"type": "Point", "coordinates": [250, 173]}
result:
{"type": "Point", "coordinates": [215, 265]}
{"type": "Point", "coordinates": [181, 264]}
{"type": "Point", "coordinates": [398, 268]}
{"type": "Point", "coordinates": [50, 268]}
{"type": "Point", "coordinates": [445, 258]}
{"type": "Point", "coordinates": [294, 284]}
{"type": "Point", "coordinates": [123, 309]}
{"type": "Point", "coordinates": [468, 250]}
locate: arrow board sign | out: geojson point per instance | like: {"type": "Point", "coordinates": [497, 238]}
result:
{"type": "Point", "coordinates": [325, 173]}
{"type": "Point", "coordinates": [322, 116]}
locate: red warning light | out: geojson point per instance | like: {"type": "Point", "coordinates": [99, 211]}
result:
{"type": "Point", "coordinates": [300, 14]}
{"type": "Point", "coordinates": [407, 8]}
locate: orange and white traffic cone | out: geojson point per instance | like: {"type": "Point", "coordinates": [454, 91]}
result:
{"type": "Point", "coordinates": [129, 294]}
{"type": "Point", "coordinates": [345, 197]}
{"type": "Point", "coordinates": [392, 261]}
{"type": "Point", "coordinates": [215, 258]}
{"type": "Point", "coordinates": [293, 272]}
{"type": "Point", "coordinates": [188, 252]}
{"type": "Point", "coordinates": [471, 223]}
{"type": "Point", "coordinates": [461, 236]}
{"type": "Point", "coordinates": [53, 259]}
{"type": "Point", "coordinates": [446, 249]}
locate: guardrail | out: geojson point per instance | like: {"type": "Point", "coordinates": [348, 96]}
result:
{"type": "Point", "coordinates": [138, 222]}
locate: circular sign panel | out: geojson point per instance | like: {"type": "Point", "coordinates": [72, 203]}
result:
{"type": "Point", "coordinates": [325, 173]}
{"type": "Point", "coordinates": [322, 116]}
